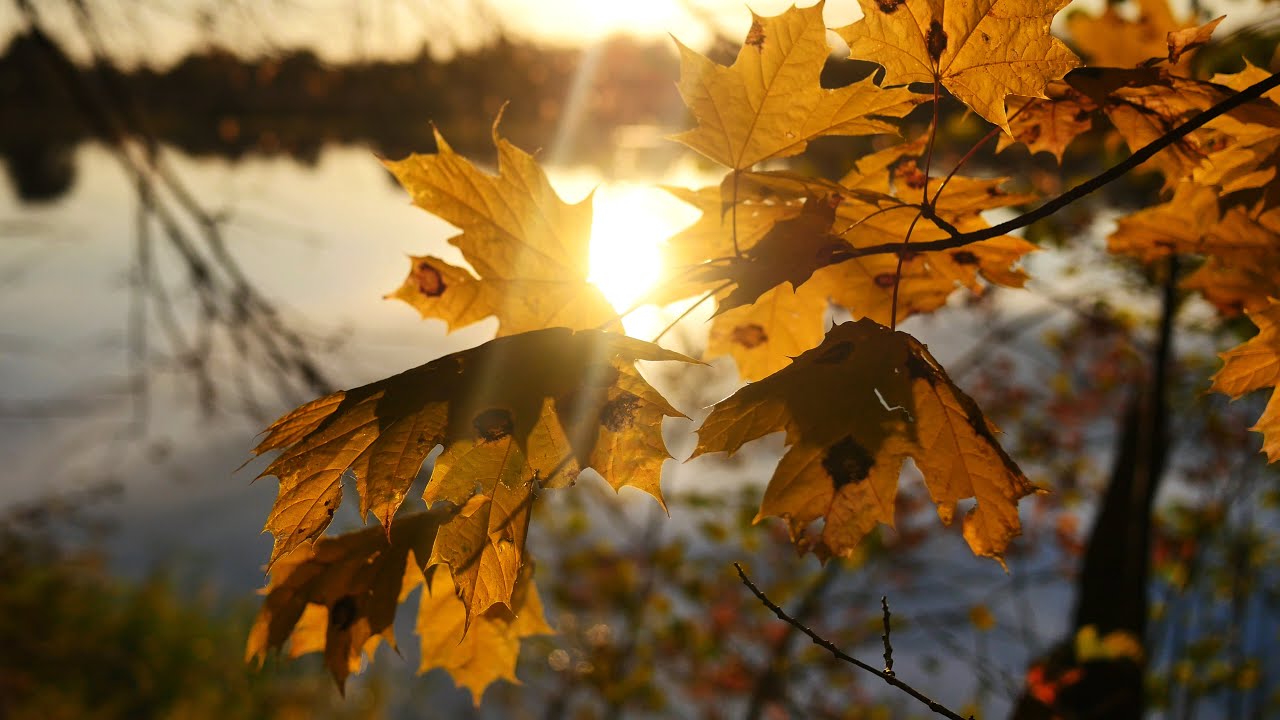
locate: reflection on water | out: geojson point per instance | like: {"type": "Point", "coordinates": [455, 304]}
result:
{"type": "Point", "coordinates": [323, 243]}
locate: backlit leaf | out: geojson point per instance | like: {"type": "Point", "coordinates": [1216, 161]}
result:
{"type": "Point", "coordinates": [853, 409]}
{"type": "Point", "coordinates": [513, 411]}
{"type": "Point", "coordinates": [769, 103]}
{"type": "Point", "coordinates": [528, 247]}
{"type": "Point", "coordinates": [764, 336]}
{"type": "Point", "coordinates": [1255, 365]}
{"type": "Point", "coordinates": [487, 650]}
{"type": "Point", "coordinates": [980, 50]}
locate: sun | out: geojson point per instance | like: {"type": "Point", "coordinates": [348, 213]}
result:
{"type": "Point", "coordinates": [630, 223]}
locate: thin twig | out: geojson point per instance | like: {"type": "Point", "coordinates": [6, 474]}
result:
{"type": "Point", "coordinates": [839, 654]}
{"type": "Point", "coordinates": [888, 647]}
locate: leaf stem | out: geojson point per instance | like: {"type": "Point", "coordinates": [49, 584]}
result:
{"type": "Point", "coordinates": [897, 272]}
{"type": "Point", "coordinates": [689, 309]}
{"type": "Point", "coordinates": [994, 131]}
{"type": "Point", "coordinates": [839, 654]}
{"type": "Point", "coordinates": [928, 152]}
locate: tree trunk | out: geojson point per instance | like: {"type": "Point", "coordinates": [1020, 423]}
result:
{"type": "Point", "coordinates": [1112, 587]}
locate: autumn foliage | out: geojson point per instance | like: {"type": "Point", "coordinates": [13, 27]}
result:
{"type": "Point", "coordinates": [558, 391]}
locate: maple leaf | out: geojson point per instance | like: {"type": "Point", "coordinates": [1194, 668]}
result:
{"type": "Point", "coordinates": [1049, 125]}
{"type": "Point", "coordinates": [1145, 104]}
{"type": "Point", "coordinates": [764, 336]}
{"type": "Point", "coordinates": [528, 247]}
{"type": "Point", "coordinates": [787, 236]}
{"type": "Point", "coordinates": [339, 595]}
{"type": "Point", "coordinates": [1245, 143]}
{"type": "Point", "coordinates": [518, 409]}
{"type": "Point", "coordinates": [790, 252]}
{"type": "Point", "coordinates": [853, 409]}
{"type": "Point", "coordinates": [1185, 40]}
{"type": "Point", "coordinates": [1180, 225]}
{"type": "Point", "coordinates": [486, 650]}
{"type": "Point", "coordinates": [980, 50]}
{"type": "Point", "coordinates": [1242, 247]}
{"type": "Point", "coordinates": [1243, 269]}
{"type": "Point", "coordinates": [1255, 365]}
{"type": "Point", "coordinates": [872, 211]}
{"type": "Point", "coordinates": [769, 103]}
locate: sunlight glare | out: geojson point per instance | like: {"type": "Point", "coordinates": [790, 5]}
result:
{"type": "Point", "coordinates": [630, 223]}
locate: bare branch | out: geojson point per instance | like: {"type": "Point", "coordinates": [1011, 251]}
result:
{"type": "Point", "coordinates": [886, 675]}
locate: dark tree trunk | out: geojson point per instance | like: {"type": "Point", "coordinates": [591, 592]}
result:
{"type": "Point", "coordinates": [1112, 587]}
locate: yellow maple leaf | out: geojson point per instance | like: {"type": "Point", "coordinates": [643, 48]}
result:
{"type": "Point", "coordinates": [1245, 142]}
{"type": "Point", "coordinates": [764, 336]}
{"type": "Point", "coordinates": [769, 103]}
{"type": "Point", "coordinates": [1180, 225]}
{"type": "Point", "coordinates": [516, 410]}
{"type": "Point", "coordinates": [1188, 39]}
{"type": "Point", "coordinates": [1255, 365]}
{"type": "Point", "coordinates": [1049, 124]}
{"type": "Point", "coordinates": [853, 409]}
{"type": "Point", "coordinates": [1242, 248]}
{"type": "Point", "coordinates": [1144, 104]}
{"type": "Point", "coordinates": [477, 655]}
{"type": "Point", "coordinates": [982, 51]}
{"type": "Point", "coordinates": [528, 247]}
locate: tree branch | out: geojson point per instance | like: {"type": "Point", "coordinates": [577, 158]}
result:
{"type": "Point", "coordinates": [839, 654]}
{"type": "Point", "coordinates": [960, 239]}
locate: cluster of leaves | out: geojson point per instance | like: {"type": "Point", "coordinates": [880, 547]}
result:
{"type": "Point", "coordinates": [557, 393]}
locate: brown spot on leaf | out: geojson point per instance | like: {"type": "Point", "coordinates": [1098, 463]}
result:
{"type": "Point", "coordinates": [836, 353]}
{"type": "Point", "coordinates": [750, 336]}
{"type": "Point", "coordinates": [493, 424]}
{"type": "Point", "coordinates": [908, 255]}
{"type": "Point", "coordinates": [755, 37]}
{"type": "Point", "coordinates": [620, 413]}
{"type": "Point", "coordinates": [936, 40]}
{"type": "Point", "coordinates": [847, 462]}
{"type": "Point", "coordinates": [888, 6]}
{"type": "Point", "coordinates": [430, 282]}
{"type": "Point", "coordinates": [342, 613]}
{"type": "Point", "coordinates": [886, 280]}
{"type": "Point", "coordinates": [964, 257]}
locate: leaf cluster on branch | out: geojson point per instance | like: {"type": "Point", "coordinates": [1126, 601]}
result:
{"type": "Point", "coordinates": [558, 392]}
